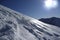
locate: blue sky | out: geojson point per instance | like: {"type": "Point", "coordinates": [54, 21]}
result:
{"type": "Point", "coordinates": [33, 8]}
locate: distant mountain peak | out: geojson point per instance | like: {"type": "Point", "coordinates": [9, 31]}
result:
{"type": "Point", "coordinates": [53, 21]}
{"type": "Point", "coordinates": [54, 18]}
{"type": "Point", "coordinates": [51, 18]}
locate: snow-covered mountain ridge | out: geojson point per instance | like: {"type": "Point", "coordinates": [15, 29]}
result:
{"type": "Point", "coordinates": [52, 21]}
{"type": "Point", "coordinates": [16, 26]}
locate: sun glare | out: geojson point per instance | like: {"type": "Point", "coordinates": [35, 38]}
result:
{"type": "Point", "coordinates": [50, 3]}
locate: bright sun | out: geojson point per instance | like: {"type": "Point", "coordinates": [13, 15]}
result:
{"type": "Point", "coordinates": [50, 3]}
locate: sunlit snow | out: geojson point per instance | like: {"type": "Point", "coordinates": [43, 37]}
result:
{"type": "Point", "coordinates": [16, 26]}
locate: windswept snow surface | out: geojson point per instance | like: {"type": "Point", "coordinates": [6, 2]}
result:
{"type": "Point", "coordinates": [16, 26]}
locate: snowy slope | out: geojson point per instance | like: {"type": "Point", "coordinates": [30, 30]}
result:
{"type": "Point", "coordinates": [16, 26]}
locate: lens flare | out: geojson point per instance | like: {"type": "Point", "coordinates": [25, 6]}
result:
{"type": "Point", "coordinates": [50, 3]}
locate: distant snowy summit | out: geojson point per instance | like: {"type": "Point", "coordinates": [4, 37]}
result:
{"type": "Point", "coordinates": [53, 21]}
{"type": "Point", "coordinates": [16, 26]}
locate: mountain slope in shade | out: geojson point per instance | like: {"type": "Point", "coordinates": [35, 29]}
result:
{"type": "Point", "coordinates": [16, 26]}
{"type": "Point", "coordinates": [53, 21]}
